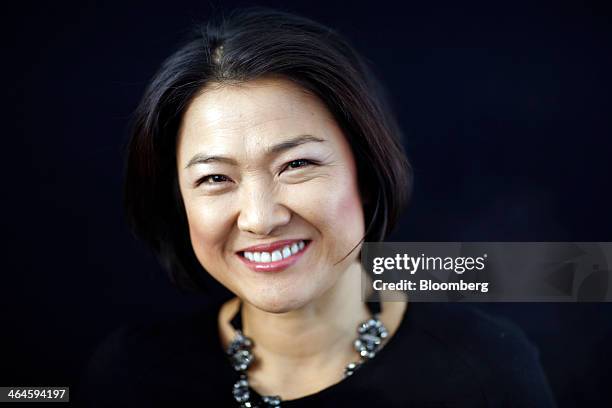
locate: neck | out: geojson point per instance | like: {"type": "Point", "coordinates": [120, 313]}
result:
{"type": "Point", "coordinates": [312, 334]}
{"type": "Point", "coordinates": [305, 350]}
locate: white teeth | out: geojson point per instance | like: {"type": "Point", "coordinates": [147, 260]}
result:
{"type": "Point", "coordinates": [286, 252]}
{"type": "Point", "coordinates": [276, 256]}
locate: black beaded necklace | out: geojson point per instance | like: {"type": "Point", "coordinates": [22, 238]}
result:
{"type": "Point", "coordinates": [370, 334]}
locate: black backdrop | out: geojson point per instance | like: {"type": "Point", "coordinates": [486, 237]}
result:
{"type": "Point", "coordinates": [507, 114]}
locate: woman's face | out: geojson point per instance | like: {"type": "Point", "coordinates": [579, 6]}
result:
{"type": "Point", "coordinates": [270, 190]}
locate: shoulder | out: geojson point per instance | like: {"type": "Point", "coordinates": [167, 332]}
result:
{"type": "Point", "coordinates": [482, 340]}
{"type": "Point", "coordinates": [469, 329]}
{"type": "Point", "coordinates": [492, 350]}
{"type": "Point", "coordinates": [153, 359]}
{"type": "Point", "coordinates": [162, 333]}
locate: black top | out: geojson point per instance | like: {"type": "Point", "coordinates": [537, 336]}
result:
{"type": "Point", "coordinates": [442, 355]}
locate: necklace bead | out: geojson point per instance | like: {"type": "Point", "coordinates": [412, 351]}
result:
{"type": "Point", "coordinates": [370, 334]}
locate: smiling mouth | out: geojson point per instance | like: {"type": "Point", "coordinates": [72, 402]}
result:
{"type": "Point", "coordinates": [267, 257]}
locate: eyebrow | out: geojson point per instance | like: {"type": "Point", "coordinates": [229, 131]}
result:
{"type": "Point", "coordinates": [201, 158]}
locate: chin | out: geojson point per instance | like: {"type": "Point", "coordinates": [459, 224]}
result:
{"type": "Point", "coordinates": [273, 301]}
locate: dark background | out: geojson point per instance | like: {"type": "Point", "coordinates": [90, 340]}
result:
{"type": "Point", "coordinates": [507, 114]}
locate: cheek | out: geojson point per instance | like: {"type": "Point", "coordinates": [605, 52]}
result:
{"type": "Point", "coordinates": [334, 208]}
{"type": "Point", "coordinates": [349, 205]}
{"type": "Point", "coordinates": [346, 214]}
{"type": "Point", "coordinates": [208, 228]}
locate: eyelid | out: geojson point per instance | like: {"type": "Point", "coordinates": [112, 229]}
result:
{"type": "Point", "coordinates": [310, 162]}
{"type": "Point", "coordinates": [202, 179]}
{"type": "Point", "coordinates": [285, 166]}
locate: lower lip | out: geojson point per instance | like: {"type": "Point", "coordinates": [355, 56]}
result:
{"type": "Point", "coordinates": [276, 266]}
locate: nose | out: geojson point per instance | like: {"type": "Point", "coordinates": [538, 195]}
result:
{"type": "Point", "coordinates": [261, 211]}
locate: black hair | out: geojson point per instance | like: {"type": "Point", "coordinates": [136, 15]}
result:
{"type": "Point", "coordinates": [245, 45]}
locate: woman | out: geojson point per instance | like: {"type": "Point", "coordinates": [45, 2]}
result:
{"type": "Point", "coordinates": [263, 154]}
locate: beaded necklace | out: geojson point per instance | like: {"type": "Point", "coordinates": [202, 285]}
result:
{"type": "Point", "coordinates": [370, 334]}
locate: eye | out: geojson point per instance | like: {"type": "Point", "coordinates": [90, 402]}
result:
{"type": "Point", "coordinates": [296, 164]}
{"type": "Point", "coordinates": [212, 179]}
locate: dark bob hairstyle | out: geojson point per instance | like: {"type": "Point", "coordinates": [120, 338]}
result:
{"type": "Point", "coordinates": [249, 44]}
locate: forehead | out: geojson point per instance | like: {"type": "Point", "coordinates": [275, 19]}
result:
{"type": "Point", "coordinates": [260, 112]}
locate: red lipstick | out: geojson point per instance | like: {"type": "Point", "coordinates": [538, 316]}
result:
{"type": "Point", "coordinates": [273, 246]}
{"type": "Point", "coordinates": [273, 266]}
